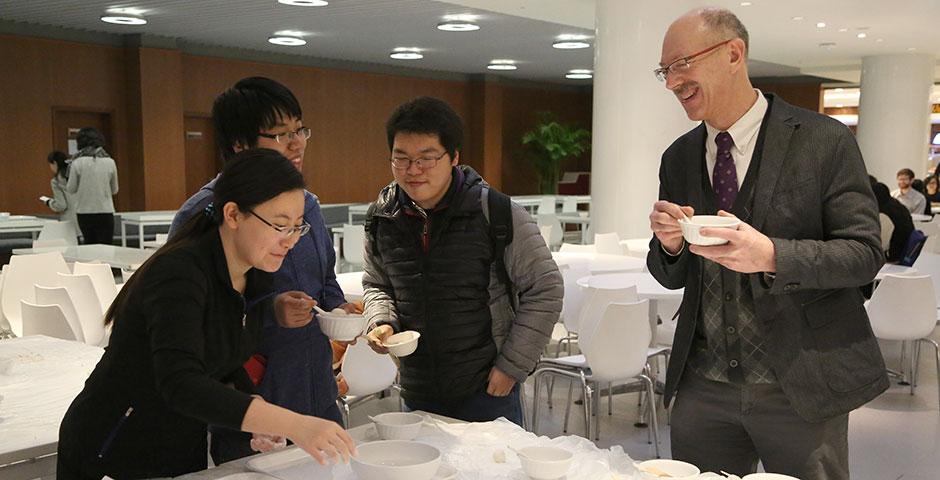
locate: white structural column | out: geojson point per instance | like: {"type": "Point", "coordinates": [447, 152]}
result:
{"type": "Point", "coordinates": [894, 114]}
{"type": "Point", "coordinates": [635, 117]}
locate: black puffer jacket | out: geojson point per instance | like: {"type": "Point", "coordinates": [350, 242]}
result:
{"type": "Point", "coordinates": [438, 264]}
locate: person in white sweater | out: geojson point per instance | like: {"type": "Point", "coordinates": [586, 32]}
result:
{"type": "Point", "coordinates": [93, 176]}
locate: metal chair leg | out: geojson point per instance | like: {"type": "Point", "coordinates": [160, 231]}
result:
{"type": "Point", "coordinates": [535, 402]}
{"type": "Point", "coordinates": [936, 349]}
{"type": "Point", "coordinates": [522, 406]}
{"type": "Point", "coordinates": [594, 409]}
{"type": "Point", "coordinates": [610, 398]}
{"type": "Point", "coordinates": [568, 406]}
{"type": "Point", "coordinates": [915, 362]}
{"type": "Point", "coordinates": [588, 403]}
{"type": "Point", "coordinates": [653, 420]}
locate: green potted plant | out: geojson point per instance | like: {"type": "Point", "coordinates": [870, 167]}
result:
{"type": "Point", "coordinates": [551, 142]}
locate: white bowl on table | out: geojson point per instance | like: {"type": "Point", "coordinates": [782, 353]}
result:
{"type": "Point", "coordinates": [396, 460]}
{"type": "Point", "coordinates": [545, 463]}
{"type": "Point", "coordinates": [654, 469]}
{"type": "Point", "coordinates": [402, 344]}
{"type": "Point", "coordinates": [398, 425]}
{"type": "Point", "coordinates": [768, 476]}
{"type": "Point", "coordinates": [691, 227]}
{"type": "Point", "coordinates": [341, 326]}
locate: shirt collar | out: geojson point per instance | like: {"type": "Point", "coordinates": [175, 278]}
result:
{"type": "Point", "coordinates": [744, 130]}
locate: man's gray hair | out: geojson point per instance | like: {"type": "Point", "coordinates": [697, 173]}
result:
{"type": "Point", "coordinates": [720, 20]}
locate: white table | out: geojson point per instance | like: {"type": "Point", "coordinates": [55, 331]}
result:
{"type": "Point", "coordinates": [351, 283]}
{"type": "Point", "coordinates": [47, 374]}
{"type": "Point", "coordinates": [22, 224]}
{"type": "Point", "coordinates": [892, 269]}
{"type": "Point", "coordinates": [647, 287]}
{"type": "Point", "coordinates": [920, 217]}
{"type": "Point", "coordinates": [574, 218]}
{"type": "Point", "coordinates": [358, 210]}
{"type": "Point", "coordinates": [160, 218]}
{"type": "Point", "coordinates": [637, 247]}
{"type": "Point", "coordinates": [603, 263]}
{"type": "Point", "coordinates": [532, 202]}
{"type": "Point", "coordinates": [118, 257]}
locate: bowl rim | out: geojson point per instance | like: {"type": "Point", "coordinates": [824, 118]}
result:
{"type": "Point", "coordinates": [669, 460]}
{"type": "Point", "coordinates": [416, 335]}
{"type": "Point", "coordinates": [734, 221]}
{"type": "Point", "coordinates": [526, 458]}
{"type": "Point", "coordinates": [420, 421]}
{"type": "Point", "coordinates": [438, 458]}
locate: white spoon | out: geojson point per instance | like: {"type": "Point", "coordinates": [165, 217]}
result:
{"type": "Point", "coordinates": [320, 310]}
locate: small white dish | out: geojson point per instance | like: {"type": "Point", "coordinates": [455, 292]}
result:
{"type": "Point", "coordinates": [691, 227]}
{"type": "Point", "coordinates": [396, 460]}
{"type": "Point", "coordinates": [403, 344]}
{"type": "Point", "coordinates": [398, 425]}
{"type": "Point", "coordinates": [768, 476]}
{"type": "Point", "coordinates": [653, 469]}
{"type": "Point", "coordinates": [343, 327]}
{"type": "Point", "coordinates": [545, 463]}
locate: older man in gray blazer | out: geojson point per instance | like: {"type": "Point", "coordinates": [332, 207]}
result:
{"type": "Point", "coordinates": [773, 347]}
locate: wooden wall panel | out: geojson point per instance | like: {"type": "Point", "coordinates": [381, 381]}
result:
{"type": "Point", "coordinates": [805, 95]}
{"type": "Point", "coordinates": [162, 119]}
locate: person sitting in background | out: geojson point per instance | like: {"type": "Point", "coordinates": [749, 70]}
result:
{"type": "Point", "coordinates": [61, 201]}
{"type": "Point", "coordinates": [183, 326]}
{"type": "Point", "coordinates": [900, 218]}
{"type": "Point", "coordinates": [93, 176]}
{"type": "Point", "coordinates": [931, 191]}
{"type": "Point", "coordinates": [906, 194]}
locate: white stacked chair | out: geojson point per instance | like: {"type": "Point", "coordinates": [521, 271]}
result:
{"type": "Point", "coordinates": [101, 278]}
{"type": "Point", "coordinates": [354, 246]}
{"type": "Point", "coordinates": [59, 297]}
{"type": "Point", "coordinates": [46, 320]}
{"type": "Point", "coordinates": [22, 273]}
{"type": "Point", "coordinates": [547, 206]}
{"type": "Point", "coordinates": [556, 234]}
{"type": "Point", "coordinates": [367, 373]}
{"type": "Point", "coordinates": [59, 231]}
{"type": "Point", "coordinates": [608, 243]}
{"type": "Point", "coordinates": [87, 306]}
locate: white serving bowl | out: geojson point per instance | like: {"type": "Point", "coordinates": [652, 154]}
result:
{"type": "Point", "coordinates": [398, 425]}
{"type": "Point", "coordinates": [340, 326]}
{"type": "Point", "coordinates": [396, 460]}
{"type": "Point", "coordinates": [545, 463]}
{"type": "Point", "coordinates": [403, 344]}
{"type": "Point", "coordinates": [675, 468]}
{"type": "Point", "coordinates": [691, 227]}
{"type": "Point", "coordinates": [768, 476]}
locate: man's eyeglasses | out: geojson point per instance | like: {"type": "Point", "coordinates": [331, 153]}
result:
{"type": "Point", "coordinates": [684, 63]}
{"type": "Point", "coordinates": [303, 133]}
{"type": "Point", "coordinates": [427, 161]}
{"type": "Point", "coordinates": [285, 232]}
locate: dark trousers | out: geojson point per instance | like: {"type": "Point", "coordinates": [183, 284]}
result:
{"type": "Point", "coordinates": [722, 426]}
{"type": "Point", "coordinates": [481, 407]}
{"type": "Point", "coordinates": [97, 227]}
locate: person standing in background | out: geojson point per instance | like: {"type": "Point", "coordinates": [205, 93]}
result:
{"type": "Point", "coordinates": [93, 176]}
{"type": "Point", "coordinates": [61, 201]}
{"type": "Point", "coordinates": [906, 194]}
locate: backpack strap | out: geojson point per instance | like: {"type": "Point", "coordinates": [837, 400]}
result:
{"type": "Point", "coordinates": [497, 208]}
{"type": "Point", "coordinates": [370, 227]}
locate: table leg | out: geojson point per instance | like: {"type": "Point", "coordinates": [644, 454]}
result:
{"type": "Point", "coordinates": [584, 234]}
{"type": "Point", "coordinates": [123, 234]}
{"type": "Point", "coordinates": [654, 311]}
{"type": "Point", "coordinates": [140, 237]}
{"type": "Point", "coordinates": [337, 240]}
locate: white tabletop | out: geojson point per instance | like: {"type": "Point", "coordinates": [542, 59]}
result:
{"type": "Point", "coordinates": [646, 285]}
{"type": "Point", "coordinates": [920, 217]}
{"type": "Point", "coordinates": [602, 263]}
{"type": "Point", "coordinates": [892, 269]}
{"type": "Point", "coordinates": [351, 283]}
{"type": "Point", "coordinates": [118, 257]}
{"type": "Point", "coordinates": [158, 217]}
{"type": "Point", "coordinates": [46, 374]}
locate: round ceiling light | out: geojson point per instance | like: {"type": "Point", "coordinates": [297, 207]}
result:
{"type": "Point", "coordinates": [579, 74]}
{"type": "Point", "coordinates": [123, 19]}
{"type": "Point", "coordinates": [570, 44]}
{"type": "Point", "coordinates": [406, 54]}
{"type": "Point", "coordinates": [287, 41]}
{"type": "Point", "coordinates": [503, 65]}
{"type": "Point", "coordinates": [305, 3]}
{"type": "Point", "coordinates": [457, 26]}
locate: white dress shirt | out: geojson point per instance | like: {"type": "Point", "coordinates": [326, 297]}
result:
{"type": "Point", "coordinates": [744, 135]}
{"type": "Point", "coordinates": [913, 200]}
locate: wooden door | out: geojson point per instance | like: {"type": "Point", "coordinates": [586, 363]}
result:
{"type": "Point", "coordinates": [67, 122]}
{"type": "Point", "coordinates": [202, 158]}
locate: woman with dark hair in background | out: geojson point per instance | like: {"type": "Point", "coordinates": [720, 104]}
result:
{"type": "Point", "coordinates": [93, 176]}
{"type": "Point", "coordinates": [900, 217]}
{"type": "Point", "coordinates": [931, 191]}
{"type": "Point", "coordinates": [183, 326]}
{"type": "Point", "coordinates": [61, 202]}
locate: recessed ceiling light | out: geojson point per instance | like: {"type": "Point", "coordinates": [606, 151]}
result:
{"type": "Point", "coordinates": [840, 105]}
{"type": "Point", "coordinates": [579, 74]}
{"type": "Point", "coordinates": [911, 49]}
{"type": "Point", "coordinates": [457, 26]}
{"type": "Point", "coordinates": [843, 30]}
{"type": "Point", "coordinates": [820, 24]}
{"type": "Point", "coordinates": [287, 41]}
{"type": "Point", "coordinates": [797, 19]}
{"type": "Point", "coordinates": [862, 35]}
{"type": "Point", "coordinates": [123, 19]}
{"type": "Point", "coordinates": [829, 45]}
{"type": "Point", "coordinates": [745, 4]}
{"type": "Point", "coordinates": [501, 66]}
{"type": "Point", "coordinates": [305, 3]}
{"type": "Point", "coordinates": [570, 44]}
{"type": "Point", "coordinates": [404, 53]}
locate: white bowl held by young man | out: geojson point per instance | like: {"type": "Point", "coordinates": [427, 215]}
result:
{"type": "Point", "coordinates": [341, 327]}
{"type": "Point", "coordinates": [659, 468]}
{"type": "Point", "coordinates": [402, 344]}
{"type": "Point", "coordinates": [545, 463]}
{"type": "Point", "coordinates": [691, 228]}
{"type": "Point", "coordinates": [398, 425]}
{"type": "Point", "coordinates": [396, 460]}
{"type": "Point", "coordinates": [768, 476]}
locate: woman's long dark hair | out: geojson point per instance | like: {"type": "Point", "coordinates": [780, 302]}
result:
{"type": "Point", "coordinates": [61, 166]}
{"type": "Point", "coordinates": [250, 178]}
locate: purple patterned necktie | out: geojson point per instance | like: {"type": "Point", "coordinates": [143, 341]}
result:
{"type": "Point", "coordinates": [724, 177]}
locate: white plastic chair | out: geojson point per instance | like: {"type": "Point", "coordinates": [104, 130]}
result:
{"type": "Point", "coordinates": [569, 205]}
{"type": "Point", "coordinates": [573, 298]}
{"type": "Point", "coordinates": [5, 329]}
{"type": "Point", "coordinates": [45, 320]}
{"type": "Point", "coordinates": [354, 245]}
{"type": "Point", "coordinates": [59, 231]}
{"type": "Point", "coordinates": [59, 296]}
{"type": "Point", "coordinates": [87, 306]}
{"type": "Point", "coordinates": [547, 206]}
{"type": "Point", "coordinates": [887, 228]}
{"type": "Point", "coordinates": [575, 248]}
{"type": "Point", "coordinates": [366, 374]}
{"type": "Point", "coordinates": [52, 242]}
{"type": "Point", "coordinates": [928, 263]}
{"type": "Point", "coordinates": [101, 278]}
{"type": "Point", "coordinates": [636, 247]}
{"type": "Point", "coordinates": [904, 308]}
{"type": "Point", "coordinates": [615, 350]}
{"type": "Point", "coordinates": [22, 273]}
{"type": "Point", "coordinates": [556, 234]}
{"type": "Point", "coordinates": [608, 243]}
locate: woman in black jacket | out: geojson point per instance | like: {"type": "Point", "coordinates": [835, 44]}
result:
{"type": "Point", "coordinates": [900, 218]}
{"type": "Point", "coordinates": [182, 328]}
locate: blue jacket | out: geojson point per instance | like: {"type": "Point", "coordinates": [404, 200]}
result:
{"type": "Point", "coordinates": [299, 374]}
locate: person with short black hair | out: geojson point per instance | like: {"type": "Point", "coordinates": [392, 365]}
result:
{"type": "Point", "coordinates": [907, 194]}
{"type": "Point", "coordinates": [61, 201]}
{"type": "Point", "coordinates": [182, 327]}
{"type": "Point", "coordinates": [434, 265]}
{"type": "Point", "coordinates": [900, 217]}
{"type": "Point", "coordinates": [297, 356]}
{"type": "Point", "coordinates": [93, 178]}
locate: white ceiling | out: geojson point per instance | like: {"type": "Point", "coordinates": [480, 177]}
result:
{"type": "Point", "coordinates": [365, 31]}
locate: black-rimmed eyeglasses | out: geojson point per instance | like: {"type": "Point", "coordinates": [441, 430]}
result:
{"type": "Point", "coordinates": [303, 133]}
{"type": "Point", "coordinates": [684, 63]}
{"type": "Point", "coordinates": [424, 162]}
{"type": "Point", "coordinates": [285, 232]}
